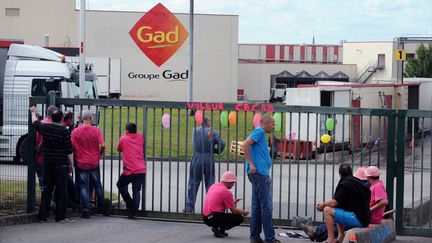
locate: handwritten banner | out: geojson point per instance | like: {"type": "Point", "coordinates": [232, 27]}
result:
{"type": "Point", "coordinates": [238, 107]}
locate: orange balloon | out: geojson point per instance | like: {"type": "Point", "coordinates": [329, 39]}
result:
{"type": "Point", "coordinates": [232, 118]}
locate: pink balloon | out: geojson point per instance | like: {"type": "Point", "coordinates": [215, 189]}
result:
{"type": "Point", "coordinates": [257, 120]}
{"type": "Point", "coordinates": [166, 122]}
{"type": "Point", "coordinates": [199, 117]}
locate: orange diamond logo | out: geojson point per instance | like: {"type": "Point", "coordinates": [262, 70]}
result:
{"type": "Point", "coordinates": [159, 34]}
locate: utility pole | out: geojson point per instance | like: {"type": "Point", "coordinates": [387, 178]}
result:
{"type": "Point", "coordinates": [191, 48]}
{"type": "Point", "coordinates": [82, 51]}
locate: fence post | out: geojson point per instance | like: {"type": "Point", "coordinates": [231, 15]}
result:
{"type": "Point", "coordinates": [391, 165]}
{"type": "Point", "coordinates": [400, 159]}
{"type": "Point", "coordinates": [31, 179]}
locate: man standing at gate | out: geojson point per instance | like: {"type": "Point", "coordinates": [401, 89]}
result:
{"type": "Point", "coordinates": [258, 164]}
{"type": "Point", "coordinates": [58, 161]}
{"type": "Point", "coordinates": [89, 146]}
{"type": "Point", "coordinates": [131, 146]}
{"type": "Point", "coordinates": [206, 142]}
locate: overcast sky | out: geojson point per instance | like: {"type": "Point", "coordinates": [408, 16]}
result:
{"type": "Point", "coordinates": [296, 21]}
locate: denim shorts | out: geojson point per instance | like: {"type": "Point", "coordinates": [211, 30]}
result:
{"type": "Point", "coordinates": [348, 219]}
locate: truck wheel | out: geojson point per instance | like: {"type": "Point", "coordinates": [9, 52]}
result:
{"type": "Point", "coordinates": [24, 150]}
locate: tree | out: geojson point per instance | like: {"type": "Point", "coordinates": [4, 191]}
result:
{"type": "Point", "coordinates": [421, 66]}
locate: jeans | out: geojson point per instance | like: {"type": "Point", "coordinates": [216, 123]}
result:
{"type": "Point", "coordinates": [54, 176]}
{"type": "Point", "coordinates": [262, 207]}
{"type": "Point", "coordinates": [202, 164]}
{"type": "Point", "coordinates": [138, 181]}
{"type": "Point", "coordinates": [86, 176]}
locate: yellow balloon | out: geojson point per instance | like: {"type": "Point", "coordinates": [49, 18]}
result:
{"type": "Point", "coordinates": [325, 138]}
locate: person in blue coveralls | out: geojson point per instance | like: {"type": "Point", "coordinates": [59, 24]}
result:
{"type": "Point", "coordinates": [258, 164]}
{"type": "Point", "coordinates": [206, 142]}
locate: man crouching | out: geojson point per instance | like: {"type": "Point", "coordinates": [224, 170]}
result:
{"type": "Point", "coordinates": [219, 198]}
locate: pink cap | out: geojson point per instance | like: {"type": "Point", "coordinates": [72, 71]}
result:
{"type": "Point", "coordinates": [372, 171]}
{"type": "Point", "coordinates": [229, 176]}
{"type": "Point", "coordinates": [360, 173]}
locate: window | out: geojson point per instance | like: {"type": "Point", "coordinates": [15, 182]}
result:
{"type": "Point", "coordinates": [12, 12]}
{"type": "Point", "coordinates": [40, 87]}
{"type": "Point", "coordinates": [410, 56]}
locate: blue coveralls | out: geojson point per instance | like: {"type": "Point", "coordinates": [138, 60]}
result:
{"type": "Point", "coordinates": [206, 143]}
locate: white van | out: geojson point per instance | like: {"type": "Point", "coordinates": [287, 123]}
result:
{"type": "Point", "coordinates": [33, 71]}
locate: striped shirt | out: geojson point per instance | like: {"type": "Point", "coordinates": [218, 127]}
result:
{"type": "Point", "coordinates": [56, 143]}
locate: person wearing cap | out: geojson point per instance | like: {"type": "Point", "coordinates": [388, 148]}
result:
{"type": "Point", "coordinates": [349, 207]}
{"type": "Point", "coordinates": [131, 145]}
{"type": "Point", "coordinates": [206, 142]}
{"type": "Point", "coordinates": [378, 200]}
{"type": "Point", "coordinates": [89, 146]}
{"type": "Point", "coordinates": [319, 233]}
{"type": "Point", "coordinates": [218, 199]}
{"type": "Point", "coordinates": [258, 164]}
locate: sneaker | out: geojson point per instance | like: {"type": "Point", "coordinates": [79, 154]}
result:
{"type": "Point", "coordinates": [42, 221]}
{"type": "Point", "coordinates": [85, 215]}
{"type": "Point", "coordinates": [132, 216]}
{"type": "Point", "coordinates": [217, 233]}
{"type": "Point", "coordinates": [66, 220]}
{"type": "Point", "coordinates": [310, 231]}
{"type": "Point", "coordinates": [224, 233]}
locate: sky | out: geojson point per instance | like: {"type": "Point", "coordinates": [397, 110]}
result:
{"type": "Point", "coordinates": [298, 21]}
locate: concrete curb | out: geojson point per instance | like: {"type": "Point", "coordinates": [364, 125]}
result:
{"type": "Point", "coordinates": [18, 219]}
{"type": "Point", "coordinates": [377, 233]}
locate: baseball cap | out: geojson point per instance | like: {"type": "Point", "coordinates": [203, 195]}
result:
{"type": "Point", "coordinates": [229, 176]}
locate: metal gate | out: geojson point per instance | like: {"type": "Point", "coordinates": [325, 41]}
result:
{"type": "Point", "coordinates": [304, 169]}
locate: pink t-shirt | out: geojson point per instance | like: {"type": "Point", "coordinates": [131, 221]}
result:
{"type": "Point", "coordinates": [218, 199]}
{"type": "Point", "coordinates": [86, 141]}
{"type": "Point", "coordinates": [378, 192]}
{"type": "Point", "coordinates": [132, 148]}
{"type": "Point", "coordinates": [39, 155]}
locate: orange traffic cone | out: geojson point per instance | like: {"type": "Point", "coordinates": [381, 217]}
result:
{"type": "Point", "coordinates": [352, 238]}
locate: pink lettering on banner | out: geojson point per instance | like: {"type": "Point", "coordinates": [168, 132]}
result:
{"type": "Point", "coordinates": [204, 106]}
{"type": "Point", "coordinates": [238, 107]}
{"type": "Point", "coordinates": [255, 107]}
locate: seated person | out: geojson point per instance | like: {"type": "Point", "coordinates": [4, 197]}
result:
{"type": "Point", "coordinates": [349, 207]}
{"type": "Point", "coordinates": [319, 233]}
{"type": "Point", "coordinates": [378, 200]}
{"type": "Point", "coordinates": [218, 199]}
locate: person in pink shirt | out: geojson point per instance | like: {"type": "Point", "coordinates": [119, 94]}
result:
{"type": "Point", "coordinates": [131, 146]}
{"type": "Point", "coordinates": [218, 199]}
{"type": "Point", "coordinates": [89, 145]}
{"type": "Point", "coordinates": [378, 200]}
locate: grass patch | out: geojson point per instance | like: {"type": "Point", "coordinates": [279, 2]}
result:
{"type": "Point", "coordinates": [170, 142]}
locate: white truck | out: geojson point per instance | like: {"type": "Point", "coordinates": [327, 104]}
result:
{"type": "Point", "coordinates": [108, 72]}
{"type": "Point", "coordinates": [33, 71]}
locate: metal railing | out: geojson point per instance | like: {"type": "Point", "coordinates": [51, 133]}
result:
{"type": "Point", "coordinates": [304, 170]}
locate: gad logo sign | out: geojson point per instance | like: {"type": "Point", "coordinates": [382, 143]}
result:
{"type": "Point", "coordinates": [159, 34]}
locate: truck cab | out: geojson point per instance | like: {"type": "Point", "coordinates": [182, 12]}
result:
{"type": "Point", "coordinates": [33, 71]}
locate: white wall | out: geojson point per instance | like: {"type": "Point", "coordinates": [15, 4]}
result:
{"type": "Point", "coordinates": [107, 35]}
{"type": "Point", "coordinates": [254, 78]}
{"type": "Point", "coordinates": [215, 52]}
{"type": "Point", "coordinates": [363, 53]}
{"type": "Point", "coordinates": [38, 18]}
